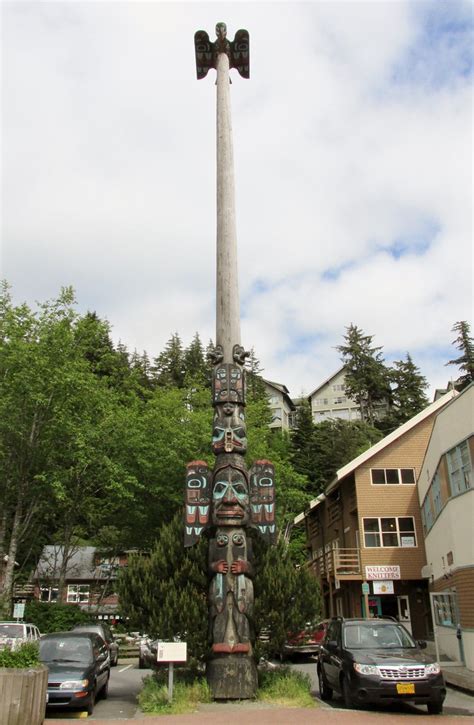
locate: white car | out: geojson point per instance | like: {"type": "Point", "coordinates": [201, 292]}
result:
{"type": "Point", "coordinates": [13, 634]}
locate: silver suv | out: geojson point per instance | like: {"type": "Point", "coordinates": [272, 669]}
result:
{"type": "Point", "coordinates": [104, 631]}
{"type": "Point", "coordinates": [13, 634]}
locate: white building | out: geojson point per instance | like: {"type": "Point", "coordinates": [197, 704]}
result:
{"type": "Point", "coordinates": [446, 495]}
{"type": "Point", "coordinates": [329, 400]}
{"type": "Point", "coordinates": [281, 405]}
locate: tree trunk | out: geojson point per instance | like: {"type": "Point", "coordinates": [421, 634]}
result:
{"type": "Point", "coordinates": [7, 583]}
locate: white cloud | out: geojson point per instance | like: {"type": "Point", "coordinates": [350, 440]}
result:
{"type": "Point", "coordinates": [349, 141]}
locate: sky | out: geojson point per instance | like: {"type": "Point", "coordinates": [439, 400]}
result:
{"type": "Point", "coordinates": [353, 164]}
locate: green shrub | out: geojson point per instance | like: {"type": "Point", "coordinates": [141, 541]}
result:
{"type": "Point", "coordinates": [186, 696]}
{"type": "Point", "coordinates": [26, 656]}
{"type": "Point", "coordinates": [285, 687]}
{"type": "Point", "coordinates": [55, 617]}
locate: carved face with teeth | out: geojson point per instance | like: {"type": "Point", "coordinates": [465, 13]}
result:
{"type": "Point", "coordinates": [228, 434]}
{"type": "Point", "coordinates": [230, 497]}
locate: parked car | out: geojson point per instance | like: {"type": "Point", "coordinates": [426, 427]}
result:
{"type": "Point", "coordinates": [377, 661]}
{"type": "Point", "coordinates": [148, 653]}
{"type": "Point", "coordinates": [306, 642]}
{"type": "Point", "coordinates": [13, 634]}
{"type": "Point", "coordinates": [102, 629]}
{"type": "Point", "coordinates": [79, 669]}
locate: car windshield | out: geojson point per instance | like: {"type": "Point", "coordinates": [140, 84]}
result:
{"type": "Point", "coordinates": [380, 636]}
{"type": "Point", "coordinates": [70, 649]}
{"type": "Point", "coordinates": [11, 630]}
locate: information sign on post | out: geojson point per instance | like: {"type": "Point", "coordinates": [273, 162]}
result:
{"type": "Point", "coordinates": [171, 652]}
{"type": "Point", "coordinates": [19, 610]}
{"type": "Point", "coordinates": [365, 593]}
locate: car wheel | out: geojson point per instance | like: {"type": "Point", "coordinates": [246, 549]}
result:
{"type": "Point", "coordinates": [90, 707]}
{"type": "Point", "coordinates": [346, 693]}
{"type": "Point", "coordinates": [325, 692]}
{"type": "Point", "coordinates": [435, 708]}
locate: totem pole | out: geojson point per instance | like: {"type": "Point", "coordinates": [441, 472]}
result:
{"type": "Point", "coordinates": [229, 499]}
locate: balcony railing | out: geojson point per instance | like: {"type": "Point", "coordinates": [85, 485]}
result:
{"type": "Point", "coordinates": [337, 563]}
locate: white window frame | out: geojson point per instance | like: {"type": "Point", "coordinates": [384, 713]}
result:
{"type": "Point", "coordinates": [78, 593]}
{"type": "Point", "coordinates": [380, 533]}
{"type": "Point", "coordinates": [459, 468]}
{"type": "Point", "coordinates": [389, 468]}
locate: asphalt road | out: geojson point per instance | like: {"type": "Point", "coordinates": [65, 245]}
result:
{"type": "Point", "coordinates": [126, 682]}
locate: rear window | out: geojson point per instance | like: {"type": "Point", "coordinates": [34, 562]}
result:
{"type": "Point", "coordinates": [12, 630]}
{"type": "Point", "coordinates": [67, 649]}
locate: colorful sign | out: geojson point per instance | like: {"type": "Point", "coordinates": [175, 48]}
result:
{"type": "Point", "coordinates": [389, 571]}
{"type": "Point", "coordinates": [383, 587]}
{"type": "Point", "coordinates": [365, 588]}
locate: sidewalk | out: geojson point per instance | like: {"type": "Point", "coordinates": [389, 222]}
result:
{"type": "Point", "coordinates": [254, 714]}
{"type": "Point", "coordinates": [459, 677]}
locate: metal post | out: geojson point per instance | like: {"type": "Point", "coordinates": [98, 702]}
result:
{"type": "Point", "coordinates": [170, 681]}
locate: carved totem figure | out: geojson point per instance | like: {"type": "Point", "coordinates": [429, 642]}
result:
{"type": "Point", "coordinates": [230, 499]}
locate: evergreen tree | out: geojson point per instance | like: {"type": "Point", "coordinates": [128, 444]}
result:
{"type": "Point", "coordinates": [194, 361]}
{"type": "Point", "coordinates": [465, 344]}
{"type": "Point", "coordinates": [335, 443]}
{"type": "Point", "coordinates": [253, 371]}
{"type": "Point", "coordinates": [286, 597]}
{"type": "Point", "coordinates": [165, 593]}
{"type": "Point", "coordinates": [408, 393]}
{"type": "Point", "coordinates": [169, 365]}
{"type": "Point", "coordinates": [366, 377]}
{"type": "Point", "coordinates": [302, 442]}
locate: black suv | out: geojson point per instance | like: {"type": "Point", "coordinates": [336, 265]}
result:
{"type": "Point", "coordinates": [375, 661]}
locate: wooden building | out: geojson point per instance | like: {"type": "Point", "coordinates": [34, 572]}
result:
{"type": "Point", "coordinates": [365, 535]}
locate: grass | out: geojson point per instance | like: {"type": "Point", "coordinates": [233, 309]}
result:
{"type": "Point", "coordinates": [186, 696]}
{"type": "Point", "coordinates": [285, 687]}
{"type": "Point", "coordinates": [282, 686]}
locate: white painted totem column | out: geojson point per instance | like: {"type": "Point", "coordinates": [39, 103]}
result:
{"type": "Point", "coordinates": [227, 284]}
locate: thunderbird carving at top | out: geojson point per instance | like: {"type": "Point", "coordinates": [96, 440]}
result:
{"type": "Point", "coordinates": [207, 52]}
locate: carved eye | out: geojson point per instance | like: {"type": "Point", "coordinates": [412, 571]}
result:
{"type": "Point", "coordinates": [238, 539]}
{"type": "Point", "coordinates": [220, 488]}
{"type": "Point", "coordinates": [239, 489]}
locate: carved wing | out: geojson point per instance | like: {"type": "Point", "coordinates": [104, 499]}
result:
{"type": "Point", "coordinates": [198, 501]}
{"type": "Point", "coordinates": [204, 50]}
{"type": "Point", "coordinates": [262, 498]}
{"type": "Point", "coordinates": [240, 53]}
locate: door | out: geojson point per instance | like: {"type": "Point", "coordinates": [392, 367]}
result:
{"type": "Point", "coordinates": [447, 628]}
{"type": "Point", "coordinates": [404, 611]}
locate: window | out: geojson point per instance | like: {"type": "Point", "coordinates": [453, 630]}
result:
{"type": "Point", "coordinates": [460, 468]}
{"type": "Point", "coordinates": [392, 476]}
{"type": "Point", "coordinates": [427, 513]}
{"type": "Point", "coordinates": [436, 494]}
{"type": "Point", "coordinates": [340, 399]}
{"type": "Point", "coordinates": [338, 387]}
{"type": "Point", "coordinates": [78, 593]}
{"type": "Point", "coordinates": [321, 401]}
{"type": "Point", "coordinates": [49, 594]}
{"type": "Point", "coordinates": [389, 531]}
{"type": "Point", "coordinates": [276, 414]}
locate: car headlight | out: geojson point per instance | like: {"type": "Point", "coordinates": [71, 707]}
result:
{"type": "Point", "coordinates": [432, 669]}
{"type": "Point", "coordinates": [74, 685]}
{"type": "Point", "coordinates": [366, 669]}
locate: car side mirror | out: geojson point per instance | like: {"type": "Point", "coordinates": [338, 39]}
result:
{"type": "Point", "coordinates": [102, 657]}
{"type": "Point", "coordinates": [421, 643]}
{"type": "Point", "coordinates": [331, 644]}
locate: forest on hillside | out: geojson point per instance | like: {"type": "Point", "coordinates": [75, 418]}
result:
{"type": "Point", "coordinates": [94, 438]}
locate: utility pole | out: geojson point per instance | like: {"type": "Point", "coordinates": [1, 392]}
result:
{"type": "Point", "coordinates": [229, 499]}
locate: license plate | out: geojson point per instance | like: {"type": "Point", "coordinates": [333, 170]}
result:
{"type": "Point", "coordinates": [406, 688]}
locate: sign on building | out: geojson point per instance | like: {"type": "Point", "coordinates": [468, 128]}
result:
{"type": "Point", "coordinates": [386, 572]}
{"type": "Point", "coordinates": [383, 587]}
